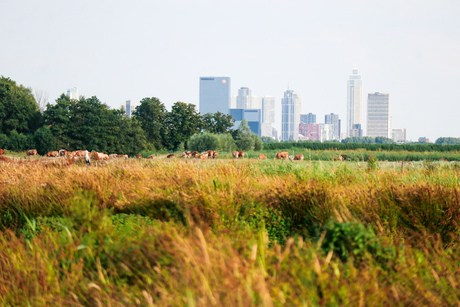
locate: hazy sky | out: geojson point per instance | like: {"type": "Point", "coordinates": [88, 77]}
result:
{"type": "Point", "coordinates": [119, 50]}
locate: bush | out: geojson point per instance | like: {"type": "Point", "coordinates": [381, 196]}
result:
{"type": "Point", "coordinates": [203, 141]}
{"type": "Point", "coordinates": [226, 142]}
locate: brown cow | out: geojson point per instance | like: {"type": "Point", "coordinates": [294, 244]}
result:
{"type": "Point", "coordinates": [63, 153]}
{"type": "Point", "coordinates": [99, 156]}
{"type": "Point", "coordinates": [170, 156]}
{"type": "Point", "coordinates": [241, 154]}
{"type": "Point", "coordinates": [32, 152]}
{"type": "Point", "coordinates": [152, 156]}
{"type": "Point", "coordinates": [78, 153]}
{"type": "Point", "coordinates": [52, 154]}
{"type": "Point", "coordinates": [235, 154]}
{"type": "Point", "coordinates": [262, 156]}
{"type": "Point", "coordinates": [204, 155]}
{"type": "Point", "coordinates": [298, 157]}
{"type": "Point", "coordinates": [344, 157]}
{"type": "Point", "coordinates": [113, 156]}
{"type": "Point", "coordinates": [282, 155]}
{"type": "Point", "coordinates": [2, 152]}
{"type": "Point", "coordinates": [195, 154]}
{"type": "Point", "coordinates": [338, 158]}
{"type": "Point", "coordinates": [186, 154]}
{"type": "Point", "coordinates": [122, 156]}
{"type": "Point", "coordinates": [139, 156]}
{"type": "Point", "coordinates": [214, 155]}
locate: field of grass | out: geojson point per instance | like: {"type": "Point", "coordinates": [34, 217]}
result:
{"type": "Point", "coordinates": [171, 232]}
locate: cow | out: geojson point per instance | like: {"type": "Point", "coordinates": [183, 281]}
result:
{"type": "Point", "coordinates": [291, 157]}
{"type": "Point", "coordinates": [170, 156]}
{"type": "Point", "coordinates": [282, 155]}
{"type": "Point", "coordinates": [195, 154]}
{"type": "Point", "coordinates": [298, 157]}
{"type": "Point", "coordinates": [79, 153]}
{"type": "Point", "coordinates": [32, 152]}
{"type": "Point", "coordinates": [152, 156]}
{"type": "Point", "coordinates": [241, 154]}
{"type": "Point", "coordinates": [204, 155]}
{"type": "Point", "coordinates": [139, 156]}
{"type": "Point", "coordinates": [52, 154]}
{"type": "Point", "coordinates": [113, 156]}
{"type": "Point", "coordinates": [122, 156]}
{"type": "Point", "coordinates": [262, 156]}
{"type": "Point", "coordinates": [63, 153]}
{"type": "Point", "coordinates": [344, 157]}
{"type": "Point", "coordinates": [186, 154]}
{"type": "Point", "coordinates": [100, 156]}
{"type": "Point", "coordinates": [2, 152]}
{"type": "Point", "coordinates": [214, 155]}
{"type": "Point", "coordinates": [338, 158]}
{"type": "Point", "coordinates": [235, 154]}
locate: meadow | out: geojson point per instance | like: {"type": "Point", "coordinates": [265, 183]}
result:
{"type": "Point", "coordinates": [224, 232]}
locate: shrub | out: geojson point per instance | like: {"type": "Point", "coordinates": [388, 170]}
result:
{"type": "Point", "coordinates": [203, 141]}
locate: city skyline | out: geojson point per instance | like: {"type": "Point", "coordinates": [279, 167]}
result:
{"type": "Point", "coordinates": [409, 49]}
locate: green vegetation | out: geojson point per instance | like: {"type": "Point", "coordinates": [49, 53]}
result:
{"type": "Point", "coordinates": [228, 232]}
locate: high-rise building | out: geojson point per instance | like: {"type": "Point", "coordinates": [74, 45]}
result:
{"type": "Point", "coordinates": [290, 116]}
{"type": "Point", "coordinates": [129, 107]}
{"type": "Point", "coordinates": [268, 115]}
{"type": "Point", "coordinates": [72, 93]}
{"type": "Point", "coordinates": [308, 118]}
{"type": "Point", "coordinates": [398, 135]}
{"type": "Point", "coordinates": [253, 117]}
{"type": "Point", "coordinates": [214, 95]}
{"type": "Point", "coordinates": [243, 100]}
{"type": "Point", "coordinates": [354, 101]}
{"type": "Point", "coordinates": [378, 115]}
{"type": "Point", "coordinates": [333, 120]}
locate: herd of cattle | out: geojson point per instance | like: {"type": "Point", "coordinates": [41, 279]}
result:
{"type": "Point", "coordinates": [210, 154]}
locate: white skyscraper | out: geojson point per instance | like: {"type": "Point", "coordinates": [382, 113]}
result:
{"type": "Point", "coordinates": [243, 99]}
{"type": "Point", "coordinates": [378, 115]}
{"type": "Point", "coordinates": [290, 116]}
{"type": "Point", "coordinates": [73, 93]}
{"type": "Point", "coordinates": [268, 115]}
{"type": "Point", "coordinates": [354, 103]}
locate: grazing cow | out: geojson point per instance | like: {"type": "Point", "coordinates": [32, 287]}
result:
{"type": "Point", "coordinates": [63, 153]}
{"type": "Point", "coordinates": [282, 155]}
{"type": "Point", "coordinates": [210, 153]}
{"type": "Point", "coordinates": [195, 154]}
{"type": "Point", "coordinates": [344, 157]}
{"type": "Point", "coordinates": [122, 156]}
{"type": "Point", "coordinates": [79, 153]}
{"type": "Point", "coordinates": [32, 152]}
{"type": "Point", "coordinates": [113, 156]}
{"type": "Point", "coordinates": [262, 156]}
{"type": "Point", "coordinates": [214, 155]}
{"type": "Point", "coordinates": [241, 154]}
{"type": "Point", "coordinates": [100, 156]}
{"type": "Point", "coordinates": [298, 157]}
{"type": "Point", "coordinates": [204, 155]}
{"type": "Point", "coordinates": [184, 155]}
{"type": "Point", "coordinates": [139, 156]}
{"type": "Point", "coordinates": [338, 158]}
{"type": "Point", "coordinates": [52, 154]}
{"type": "Point", "coordinates": [170, 156]}
{"type": "Point", "coordinates": [2, 152]}
{"type": "Point", "coordinates": [235, 154]}
{"type": "Point", "coordinates": [152, 156]}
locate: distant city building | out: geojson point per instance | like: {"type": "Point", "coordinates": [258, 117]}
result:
{"type": "Point", "coordinates": [215, 95]}
{"type": "Point", "coordinates": [356, 131]}
{"type": "Point", "coordinates": [354, 102]}
{"type": "Point", "coordinates": [378, 115]}
{"type": "Point", "coordinates": [327, 132]}
{"type": "Point", "coordinates": [73, 93]}
{"type": "Point", "coordinates": [268, 115]}
{"type": "Point", "coordinates": [311, 132]}
{"type": "Point", "coordinates": [290, 116]}
{"type": "Point", "coordinates": [129, 107]}
{"type": "Point", "coordinates": [244, 97]}
{"type": "Point", "coordinates": [253, 117]}
{"type": "Point", "coordinates": [333, 119]}
{"type": "Point", "coordinates": [423, 140]}
{"type": "Point", "coordinates": [308, 118]}
{"type": "Point", "coordinates": [398, 135]}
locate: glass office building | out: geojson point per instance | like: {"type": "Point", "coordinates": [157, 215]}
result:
{"type": "Point", "coordinates": [214, 95]}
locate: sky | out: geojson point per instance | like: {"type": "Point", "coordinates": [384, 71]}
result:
{"type": "Point", "coordinates": [128, 50]}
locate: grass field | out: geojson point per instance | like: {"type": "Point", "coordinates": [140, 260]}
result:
{"type": "Point", "coordinates": [171, 232]}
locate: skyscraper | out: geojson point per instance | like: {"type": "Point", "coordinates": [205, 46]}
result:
{"type": "Point", "coordinates": [243, 100]}
{"type": "Point", "coordinates": [72, 93]}
{"type": "Point", "coordinates": [268, 115]}
{"type": "Point", "coordinates": [309, 118]}
{"type": "Point", "coordinates": [378, 115]}
{"type": "Point", "coordinates": [129, 107]}
{"type": "Point", "coordinates": [290, 116]}
{"type": "Point", "coordinates": [214, 95]}
{"type": "Point", "coordinates": [354, 102]}
{"type": "Point", "coordinates": [333, 119]}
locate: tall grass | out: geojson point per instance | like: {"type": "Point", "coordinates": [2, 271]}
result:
{"type": "Point", "coordinates": [232, 232]}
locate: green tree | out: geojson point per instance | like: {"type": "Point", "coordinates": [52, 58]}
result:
{"type": "Point", "coordinates": [203, 141]}
{"type": "Point", "coordinates": [383, 140]}
{"type": "Point", "coordinates": [448, 141]}
{"type": "Point", "coordinates": [226, 142]}
{"type": "Point", "coordinates": [217, 122]}
{"type": "Point", "coordinates": [362, 140]}
{"type": "Point", "coordinates": [182, 122]}
{"type": "Point", "coordinates": [58, 117]}
{"type": "Point", "coordinates": [258, 144]}
{"type": "Point", "coordinates": [18, 108]}
{"type": "Point", "coordinates": [44, 140]}
{"type": "Point", "coordinates": [243, 137]}
{"type": "Point", "coordinates": [151, 113]}
{"type": "Point", "coordinates": [17, 141]}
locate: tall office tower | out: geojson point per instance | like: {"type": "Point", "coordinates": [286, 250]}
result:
{"type": "Point", "coordinates": [73, 93]}
{"type": "Point", "coordinates": [129, 107]}
{"type": "Point", "coordinates": [333, 119]}
{"type": "Point", "coordinates": [378, 115]}
{"type": "Point", "coordinates": [308, 118]}
{"type": "Point", "coordinates": [214, 95]}
{"type": "Point", "coordinates": [243, 100]}
{"type": "Point", "coordinates": [255, 103]}
{"type": "Point", "coordinates": [268, 115]}
{"type": "Point", "coordinates": [399, 135]}
{"type": "Point", "coordinates": [290, 116]}
{"type": "Point", "coordinates": [354, 102]}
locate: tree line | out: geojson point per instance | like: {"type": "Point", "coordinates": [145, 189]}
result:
{"type": "Point", "coordinates": [87, 123]}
